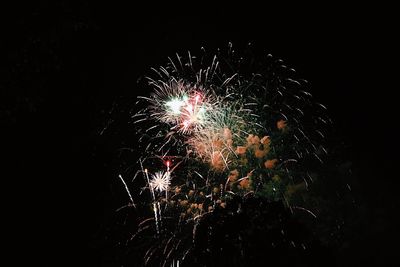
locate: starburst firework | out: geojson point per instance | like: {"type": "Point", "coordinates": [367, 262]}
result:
{"type": "Point", "coordinates": [160, 181]}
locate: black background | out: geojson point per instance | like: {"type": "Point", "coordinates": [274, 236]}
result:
{"type": "Point", "coordinates": [63, 66]}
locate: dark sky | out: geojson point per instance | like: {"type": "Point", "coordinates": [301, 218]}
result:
{"type": "Point", "coordinates": [63, 66]}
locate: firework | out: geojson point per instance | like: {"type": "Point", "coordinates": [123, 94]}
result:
{"type": "Point", "coordinates": [184, 107]}
{"type": "Point", "coordinates": [160, 181]}
{"type": "Point", "coordinates": [230, 131]}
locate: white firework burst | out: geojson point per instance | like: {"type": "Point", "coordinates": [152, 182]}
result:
{"type": "Point", "coordinates": [160, 181]}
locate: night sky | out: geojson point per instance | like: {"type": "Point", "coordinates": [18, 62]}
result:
{"type": "Point", "coordinates": [63, 66]}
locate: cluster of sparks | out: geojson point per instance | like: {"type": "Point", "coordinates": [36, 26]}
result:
{"type": "Point", "coordinates": [188, 112]}
{"type": "Point", "coordinates": [160, 181]}
{"type": "Point", "coordinates": [218, 131]}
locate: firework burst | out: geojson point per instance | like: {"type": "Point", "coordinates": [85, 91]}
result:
{"type": "Point", "coordinates": [160, 181]}
{"type": "Point", "coordinates": [183, 106]}
{"type": "Point", "coordinates": [240, 131]}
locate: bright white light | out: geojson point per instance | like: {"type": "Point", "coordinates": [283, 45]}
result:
{"type": "Point", "coordinates": [175, 105]}
{"type": "Point", "coordinates": [160, 181]}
